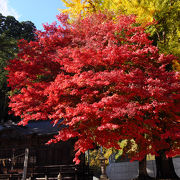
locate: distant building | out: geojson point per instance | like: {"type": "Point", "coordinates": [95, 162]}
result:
{"type": "Point", "coordinates": [15, 139]}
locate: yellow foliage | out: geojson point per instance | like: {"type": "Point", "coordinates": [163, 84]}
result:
{"type": "Point", "coordinates": [176, 65]}
{"type": "Point", "coordinates": [74, 7]}
{"type": "Point", "coordinates": [143, 9]}
{"type": "Point", "coordinates": [95, 154]}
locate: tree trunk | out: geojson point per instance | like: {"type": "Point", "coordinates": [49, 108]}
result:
{"type": "Point", "coordinates": [165, 167]}
{"type": "Point", "coordinates": [143, 175]}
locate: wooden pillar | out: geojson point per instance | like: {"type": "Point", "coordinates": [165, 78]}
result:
{"type": "Point", "coordinates": [25, 163]}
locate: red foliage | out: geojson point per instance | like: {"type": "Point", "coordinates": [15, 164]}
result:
{"type": "Point", "coordinates": [105, 78]}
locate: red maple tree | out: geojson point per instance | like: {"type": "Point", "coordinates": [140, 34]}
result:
{"type": "Point", "coordinates": [106, 80]}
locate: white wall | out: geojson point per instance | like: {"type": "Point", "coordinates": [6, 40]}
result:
{"type": "Point", "coordinates": [130, 170]}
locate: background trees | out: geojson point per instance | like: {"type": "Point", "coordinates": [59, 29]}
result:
{"type": "Point", "coordinates": [11, 31]}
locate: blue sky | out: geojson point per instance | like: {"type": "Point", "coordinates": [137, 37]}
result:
{"type": "Point", "coordinates": [37, 11]}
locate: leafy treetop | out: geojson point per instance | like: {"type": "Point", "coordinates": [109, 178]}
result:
{"type": "Point", "coordinates": [165, 33]}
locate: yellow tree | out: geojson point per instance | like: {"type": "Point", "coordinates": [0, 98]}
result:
{"type": "Point", "coordinates": [84, 7]}
{"type": "Point", "coordinates": [144, 9]}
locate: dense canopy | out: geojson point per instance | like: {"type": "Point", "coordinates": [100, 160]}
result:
{"type": "Point", "coordinates": [105, 78]}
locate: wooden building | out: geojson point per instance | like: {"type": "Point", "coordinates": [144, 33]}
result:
{"type": "Point", "coordinates": [15, 139]}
